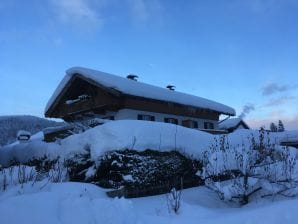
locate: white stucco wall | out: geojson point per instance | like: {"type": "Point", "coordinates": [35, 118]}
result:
{"type": "Point", "coordinates": [129, 114]}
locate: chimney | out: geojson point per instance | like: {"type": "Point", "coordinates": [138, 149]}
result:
{"type": "Point", "coordinates": [132, 77]}
{"type": "Point", "coordinates": [171, 87]}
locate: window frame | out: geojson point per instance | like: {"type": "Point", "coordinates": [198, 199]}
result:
{"type": "Point", "coordinates": [171, 120]}
{"type": "Point", "coordinates": [149, 117]}
{"type": "Point", "coordinates": [190, 124]}
{"type": "Point", "coordinates": [208, 125]}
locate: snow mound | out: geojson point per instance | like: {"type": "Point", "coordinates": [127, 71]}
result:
{"type": "Point", "coordinates": [138, 135]}
{"type": "Point", "coordinates": [114, 135]}
{"type": "Point", "coordinates": [131, 134]}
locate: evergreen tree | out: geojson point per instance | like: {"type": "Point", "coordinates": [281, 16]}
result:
{"type": "Point", "coordinates": [273, 127]}
{"type": "Point", "coordinates": [280, 126]}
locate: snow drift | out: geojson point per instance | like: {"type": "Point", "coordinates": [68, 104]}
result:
{"type": "Point", "coordinates": [131, 134]}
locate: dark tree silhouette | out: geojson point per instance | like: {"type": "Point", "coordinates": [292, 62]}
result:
{"type": "Point", "coordinates": [273, 127]}
{"type": "Point", "coordinates": [280, 126]}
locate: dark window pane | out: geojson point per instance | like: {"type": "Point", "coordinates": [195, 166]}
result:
{"type": "Point", "coordinates": [195, 124]}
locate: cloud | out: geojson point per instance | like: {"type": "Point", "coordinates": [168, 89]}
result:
{"type": "Point", "coordinates": [78, 13]}
{"type": "Point", "coordinates": [276, 114]}
{"type": "Point", "coordinates": [139, 9]}
{"type": "Point", "coordinates": [274, 88]}
{"type": "Point", "coordinates": [246, 110]}
{"type": "Point", "coordinates": [279, 101]}
{"type": "Point", "coordinates": [143, 11]}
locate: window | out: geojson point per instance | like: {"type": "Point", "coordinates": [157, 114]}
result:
{"type": "Point", "coordinates": [208, 125]}
{"type": "Point", "coordinates": [109, 118]}
{"type": "Point", "coordinates": [171, 120]}
{"type": "Point", "coordinates": [190, 124]}
{"type": "Point", "coordinates": [146, 117]}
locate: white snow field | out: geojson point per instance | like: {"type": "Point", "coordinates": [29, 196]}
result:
{"type": "Point", "coordinates": [78, 203]}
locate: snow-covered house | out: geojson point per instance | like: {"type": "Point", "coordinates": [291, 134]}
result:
{"type": "Point", "coordinates": [232, 124]}
{"type": "Point", "coordinates": [85, 93]}
{"type": "Point", "coordinates": [23, 136]}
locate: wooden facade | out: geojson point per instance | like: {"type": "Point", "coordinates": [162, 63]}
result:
{"type": "Point", "coordinates": [101, 99]}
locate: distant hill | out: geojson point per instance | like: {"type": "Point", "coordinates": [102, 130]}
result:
{"type": "Point", "coordinates": [10, 125]}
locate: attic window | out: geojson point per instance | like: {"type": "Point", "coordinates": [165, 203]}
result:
{"type": "Point", "coordinates": [171, 120]}
{"type": "Point", "coordinates": [83, 97]}
{"type": "Point", "coordinates": [145, 117]}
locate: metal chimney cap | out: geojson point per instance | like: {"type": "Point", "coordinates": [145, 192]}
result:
{"type": "Point", "coordinates": [171, 87]}
{"type": "Point", "coordinates": [132, 77]}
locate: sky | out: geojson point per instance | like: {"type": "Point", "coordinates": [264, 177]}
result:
{"type": "Point", "coordinates": [242, 53]}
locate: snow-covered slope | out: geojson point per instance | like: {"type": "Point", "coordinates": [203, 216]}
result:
{"type": "Point", "coordinates": [134, 88]}
{"type": "Point", "coordinates": [76, 203]}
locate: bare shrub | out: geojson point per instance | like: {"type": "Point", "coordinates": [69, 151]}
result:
{"type": "Point", "coordinates": [173, 200]}
{"type": "Point", "coordinates": [259, 169]}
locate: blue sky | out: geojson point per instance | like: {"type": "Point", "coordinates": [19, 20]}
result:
{"type": "Point", "coordinates": [237, 52]}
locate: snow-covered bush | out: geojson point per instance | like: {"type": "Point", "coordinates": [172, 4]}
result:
{"type": "Point", "coordinates": [33, 171]}
{"type": "Point", "coordinates": [238, 173]}
{"type": "Point", "coordinates": [79, 166]}
{"type": "Point", "coordinates": [131, 168]}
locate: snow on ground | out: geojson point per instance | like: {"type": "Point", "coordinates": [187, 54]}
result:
{"type": "Point", "coordinates": [115, 135]}
{"type": "Point", "coordinates": [26, 151]}
{"type": "Point", "coordinates": [139, 135]}
{"type": "Point", "coordinates": [244, 136]}
{"type": "Point", "coordinates": [72, 203]}
{"type": "Point", "coordinates": [130, 134]}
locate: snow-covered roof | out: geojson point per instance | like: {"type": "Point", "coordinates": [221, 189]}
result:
{"type": "Point", "coordinates": [23, 133]}
{"type": "Point", "coordinates": [229, 123]}
{"type": "Point", "coordinates": [136, 88]}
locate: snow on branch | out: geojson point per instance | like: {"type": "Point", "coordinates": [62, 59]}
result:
{"type": "Point", "coordinates": [259, 168]}
{"type": "Point", "coordinates": [80, 98]}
